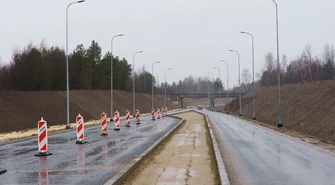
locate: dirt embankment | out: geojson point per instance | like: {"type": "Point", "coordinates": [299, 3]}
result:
{"type": "Point", "coordinates": [22, 110]}
{"type": "Point", "coordinates": [306, 108]}
{"type": "Point", "coordinates": [185, 158]}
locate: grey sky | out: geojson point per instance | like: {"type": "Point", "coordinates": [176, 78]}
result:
{"type": "Point", "coordinates": [190, 36]}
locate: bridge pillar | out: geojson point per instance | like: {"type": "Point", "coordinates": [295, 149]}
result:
{"type": "Point", "coordinates": [181, 101]}
{"type": "Point", "coordinates": [212, 102]}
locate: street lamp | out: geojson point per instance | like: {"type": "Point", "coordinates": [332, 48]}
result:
{"type": "Point", "coordinates": [165, 86]}
{"type": "Point", "coordinates": [134, 79]}
{"type": "Point", "coordinates": [227, 83]}
{"type": "Point", "coordinates": [219, 83]}
{"type": "Point", "coordinates": [253, 75]}
{"type": "Point", "coordinates": [120, 35]}
{"type": "Point", "coordinates": [152, 84]}
{"type": "Point", "coordinates": [212, 89]}
{"type": "Point", "coordinates": [67, 67]}
{"type": "Point", "coordinates": [280, 124]}
{"type": "Point", "coordinates": [239, 78]}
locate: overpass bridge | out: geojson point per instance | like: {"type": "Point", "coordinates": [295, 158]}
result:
{"type": "Point", "coordinates": [211, 96]}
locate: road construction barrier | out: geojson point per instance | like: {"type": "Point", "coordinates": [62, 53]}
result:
{"type": "Point", "coordinates": [80, 129]}
{"type": "Point", "coordinates": [158, 113]}
{"type": "Point", "coordinates": [162, 111]}
{"type": "Point", "coordinates": [104, 124]}
{"type": "Point", "coordinates": [153, 114]}
{"type": "Point", "coordinates": [138, 120]}
{"type": "Point", "coordinates": [127, 118]}
{"type": "Point", "coordinates": [117, 120]}
{"type": "Point", "coordinates": [166, 111]}
{"type": "Point", "coordinates": [42, 138]}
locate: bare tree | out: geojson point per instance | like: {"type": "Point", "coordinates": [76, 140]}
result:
{"type": "Point", "coordinates": [246, 76]}
{"type": "Point", "coordinates": [283, 66]}
{"type": "Point", "coordinates": [307, 57]}
{"type": "Point", "coordinates": [269, 66]}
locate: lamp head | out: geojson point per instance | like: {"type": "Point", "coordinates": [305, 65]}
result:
{"type": "Point", "coordinates": [81, 1]}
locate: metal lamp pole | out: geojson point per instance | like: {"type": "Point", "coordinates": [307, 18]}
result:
{"type": "Point", "coordinates": [165, 86]}
{"type": "Point", "coordinates": [152, 84]}
{"type": "Point", "coordinates": [253, 75]}
{"type": "Point", "coordinates": [280, 124]}
{"type": "Point", "coordinates": [227, 83]}
{"type": "Point", "coordinates": [239, 78]}
{"type": "Point", "coordinates": [67, 67]}
{"type": "Point", "coordinates": [112, 74]}
{"type": "Point", "coordinates": [220, 82]}
{"type": "Point", "coordinates": [134, 80]}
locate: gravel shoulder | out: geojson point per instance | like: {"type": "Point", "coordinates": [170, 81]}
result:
{"type": "Point", "coordinates": [186, 157]}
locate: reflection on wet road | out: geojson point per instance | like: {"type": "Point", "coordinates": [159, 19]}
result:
{"type": "Point", "coordinates": [92, 163]}
{"type": "Point", "coordinates": [262, 156]}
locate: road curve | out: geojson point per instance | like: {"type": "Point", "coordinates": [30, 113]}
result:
{"type": "Point", "coordinates": [263, 156]}
{"type": "Point", "coordinates": [92, 163]}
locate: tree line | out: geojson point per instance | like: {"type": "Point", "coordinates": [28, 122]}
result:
{"type": "Point", "coordinates": [302, 69]}
{"type": "Point", "coordinates": [41, 68]}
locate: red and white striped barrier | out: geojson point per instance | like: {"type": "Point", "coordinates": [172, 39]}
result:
{"type": "Point", "coordinates": [42, 138]}
{"type": "Point", "coordinates": [166, 111]}
{"type": "Point", "coordinates": [127, 118]}
{"type": "Point", "coordinates": [162, 111]}
{"type": "Point", "coordinates": [104, 124]}
{"type": "Point", "coordinates": [158, 113]}
{"type": "Point", "coordinates": [153, 114]}
{"type": "Point", "coordinates": [138, 120]}
{"type": "Point", "coordinates": [117, 120]}
{"type": "Point", "coordinates": [80, 129]}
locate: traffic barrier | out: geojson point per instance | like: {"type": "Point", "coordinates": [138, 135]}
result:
{"type": "Point", "coordinates": [163, 112]}
{"type": "Point", "coordinates": [42, 138]}
{"type": "Point", "coordinates": [152, 114]}
{"type": "Point", "coordinates": [127, 118]}
{"type": "Point", "coordinates": [166, 111]}
{"type": "Point", "coordinates": [138, 120]}
{"type": "Point", "coordinates": [117, 120]}
{"type": "Point", "coordinates": [158, 113]}
{"type": "Point", "coordinates": [104, 124]}
{"type": "Point", "coordinates": [80, 130]}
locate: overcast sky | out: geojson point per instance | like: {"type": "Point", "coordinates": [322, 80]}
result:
{"type": "Point", "coordinates": [190, 36]}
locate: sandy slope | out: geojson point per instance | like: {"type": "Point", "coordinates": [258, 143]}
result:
{"type": "Point", "coordinates": [306, 108]}
{"type": "Point", "coordinates": [22, 110]}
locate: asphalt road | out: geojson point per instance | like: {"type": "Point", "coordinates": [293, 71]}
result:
{"type": "Point", "coordinates": [263, 156]}
{"type": "Point", "coordinates": [92, 163]}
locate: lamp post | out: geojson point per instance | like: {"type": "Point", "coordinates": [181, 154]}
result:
{"type": "Point", "coordinates": [227, 83]}
{"type": "Point", "coordinates": [212, 89]}
{"type": "Point", "coordinates": [220, 82]}
{"type": "Point", "coordinates": [152, 84]}
{"type": "Point", "coordinates": [239, 78]}
{"type": "Point", "coordinates": [120, 35]}
{"type": "Point", "coordinates": [280, 124]}
{"type": "Point", "coordinates": [67, 66]}
{"type": "Point", "coordinates": [253, 75]}
{"type": "Point", "coordinates": [165, 86]}
{"type": "Point", "coordinates": [134, 80]}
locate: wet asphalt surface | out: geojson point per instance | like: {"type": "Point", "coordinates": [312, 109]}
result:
{"type": "Point", "coordinates": [92, 163]}
{"type": "Point", "coordinates": [263, 156]}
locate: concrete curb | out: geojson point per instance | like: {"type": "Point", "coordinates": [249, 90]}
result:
{"type": "Point", "coordinates": [224, 180]}
{"type": "Point", "coordinates": [121, 176]}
